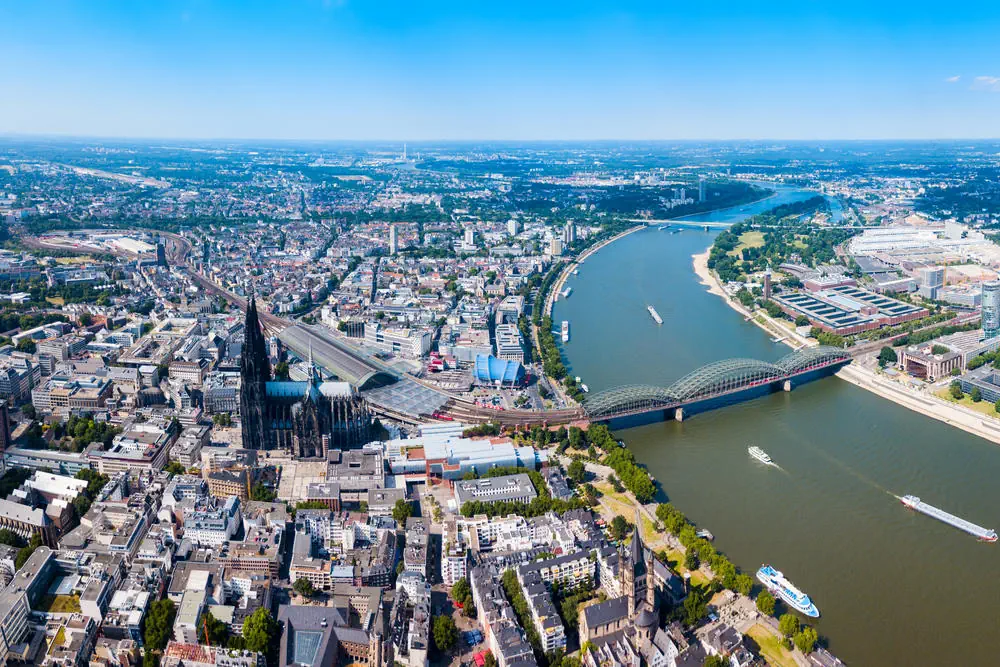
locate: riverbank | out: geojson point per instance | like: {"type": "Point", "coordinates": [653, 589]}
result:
{"type": "Point", "coordinates": [930, 406]}
{"type": "Point", "coordinates": [557, 287]}
{"type": "Point", "coordinates": [732, 608]}
{"type": "Point", "coordinates": [705, 275]}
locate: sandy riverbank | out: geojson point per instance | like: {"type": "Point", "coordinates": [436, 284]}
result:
{"type": "Point", "coordinates": [706, 277]}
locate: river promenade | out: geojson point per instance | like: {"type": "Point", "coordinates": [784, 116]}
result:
{"type": "Point", "coordinates": [927, 404]}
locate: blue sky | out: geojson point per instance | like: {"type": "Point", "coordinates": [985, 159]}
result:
{"type": "Point", "coordinates": [352, 69]}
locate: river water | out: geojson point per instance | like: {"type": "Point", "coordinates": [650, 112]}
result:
{"type": "Point", "coordinates": [894, 587]}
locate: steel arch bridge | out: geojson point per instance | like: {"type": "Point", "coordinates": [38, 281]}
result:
{"type": "Point", "coordinates": [629, 399]}
{"type": "Point", "coordinates": [718, 379]}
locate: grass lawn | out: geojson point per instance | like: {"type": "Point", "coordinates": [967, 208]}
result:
{"type": "Point", "coordinates": [985, 407]}
{"type": "Point", "coordinates": [676, 560]}
{"type": "Point", "coordinates": [618, 503]}
{"type": "Point", "coordinates": [56, 300]}
{"type": "Point", "coordinates": [74, 260]}
{"type": "Point", "coordinates": [770, 648]}
{"type": "Point", "coordinates": [752, 239]}
{"type": "Point", "coordinates": [60, 604]}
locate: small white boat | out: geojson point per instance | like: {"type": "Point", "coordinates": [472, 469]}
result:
{"type": "Point", "coordinates": [760, 455]}
{"type": "Point", "coordinates": [585, 388]}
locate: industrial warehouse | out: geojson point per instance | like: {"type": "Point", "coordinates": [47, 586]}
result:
{"type": "Point", "coordinates": [847, 309]}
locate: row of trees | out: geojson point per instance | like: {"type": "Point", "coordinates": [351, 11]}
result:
{"type": "Point", "coordinates": [551, 357]}
{"type": "Point", "coordinates": [983, 359]}
{"type": "Point", "coordinates": [11, 319]}
{"type": "Point", "coordinates": [726, 573]}
{"type": "Point", "coordinates": [481, 430]}
{"type": "Point", "coordinates": [514, 593]}
{"type": "Point", "coordinates": [728, 576]}
{"type": "Point", "coordinates": [622, 461]}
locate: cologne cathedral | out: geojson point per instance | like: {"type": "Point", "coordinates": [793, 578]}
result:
{"type": "Point", "coordinates": [308, 418]}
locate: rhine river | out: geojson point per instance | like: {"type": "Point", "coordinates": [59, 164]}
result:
{"type": "Point", "coordinates": [893, 587]}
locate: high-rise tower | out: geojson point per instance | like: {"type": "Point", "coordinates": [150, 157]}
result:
{"type": "Point", "coordinates": [991, 309]}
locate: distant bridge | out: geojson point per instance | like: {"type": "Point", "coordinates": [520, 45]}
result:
{"type": "Point", "coordinates": [681, 223]}
{"type": "Point", "coordinates": [716, 384]}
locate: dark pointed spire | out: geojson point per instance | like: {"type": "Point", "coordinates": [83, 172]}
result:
{"type": "Point", "coordinates": [637, 553]}
{"type": "Point", "coordinates": [255, 371]}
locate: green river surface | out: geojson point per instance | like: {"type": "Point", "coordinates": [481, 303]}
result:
{"type": "Point", "coordinates": [894, 587]}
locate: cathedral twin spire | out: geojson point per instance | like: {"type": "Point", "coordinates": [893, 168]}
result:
{"type": "Point", "coordinates": [255, 371]}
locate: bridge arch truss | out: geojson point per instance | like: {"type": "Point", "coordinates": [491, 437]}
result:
{"type": "Point", "coordinates": [724, 376]}
{"type": "Point", "coordinates": [629, 399]}
{"type": "Point", "coordinates": [715, 379]}
{"type": "Point", "coordinates": [807, 358]}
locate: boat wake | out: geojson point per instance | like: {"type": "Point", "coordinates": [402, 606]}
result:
{"type": "Point", "coordinates": [840, 464]}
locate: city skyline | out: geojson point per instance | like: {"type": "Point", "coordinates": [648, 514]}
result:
{"type": "Point", "coordinates": [582, 71]}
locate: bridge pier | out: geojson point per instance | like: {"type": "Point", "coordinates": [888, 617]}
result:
{"type": "Point", "coordinates": [679, 414]}
{"type": "Point", "coordinates": [786, 385]}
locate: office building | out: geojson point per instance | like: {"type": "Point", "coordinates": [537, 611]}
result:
{"type": "Point", "coordinates": [508, 488]}
{"type": "Point", "coordinates": [65, 463]}
{"type": "Point", "coordinates": [26, 588]}
{"type": "Point", "coordinates": [846, 309]}
{"type": "Point", "coordinates": [142, 447]}
{"type": "Point", "coordinates": [225, 483]}
{"type": "Point", "coordinates": [569, 234]}
{"type": "Point", "coordinates": [393, 240]}
{"type": "Point", "coordinates": [398, 341]}
{"type": "Point", "coordinates": [510, 345]}
{"type": "Point", "coordinates": [4, 434]}
{"type": "Point", "coordinates": [991, 309]}
{"type": "Point", "coordinates": [213, 526]}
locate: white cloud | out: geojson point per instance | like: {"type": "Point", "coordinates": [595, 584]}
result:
{"type": "Point", "coordinates": [953, 79]}
{"type": "Point", "coordinates": [988, 83]}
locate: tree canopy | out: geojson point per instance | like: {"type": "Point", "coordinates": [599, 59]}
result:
{"type": "Point", "coordinates": [261, 631]}
{"type": "Point", "coordinates": [445, 633]}
{"type": "Point", "coordinates": [402, 511]}
{"type": "Point", "coordinates": [159, 624]}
